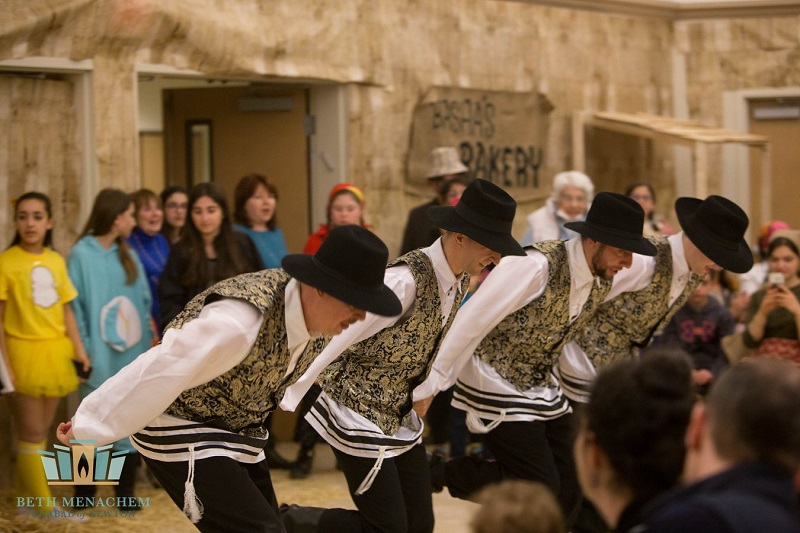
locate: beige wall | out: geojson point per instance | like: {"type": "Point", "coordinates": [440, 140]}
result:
{"type": "Point", "coordinates": [390, 52]}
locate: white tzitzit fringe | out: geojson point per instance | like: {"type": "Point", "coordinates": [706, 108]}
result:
{"type": "Point", "coordinates": [476, 425]}
{"type": "Point", "coordinates": [373, 472]}
{"type": "Point", "coordinates": [192, 506]}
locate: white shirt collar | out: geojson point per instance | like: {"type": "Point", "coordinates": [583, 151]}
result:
{"type": "Point", "coordinates": [296, 331]}
{"type": "Point", "coordinates": [680, 266]}
{"type": "Point", "coordinates": [578, 265]}
{"type": "Point", "coordinates": [444, 274]}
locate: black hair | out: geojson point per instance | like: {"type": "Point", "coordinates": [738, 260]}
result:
{"type": "Point", "coordinates": [48, 207]}
{"type": "Point", "coordinates": [231, 260]}
{"type": "Point", "coordinates": [638, 412]}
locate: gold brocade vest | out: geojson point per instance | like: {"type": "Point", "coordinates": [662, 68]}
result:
{"type": "Point", "coordinates": [525, 345]}
{"type": "Point", "coordinates": [375, 378]}
{"type": "Point", "coordinates": [240, 399]}
{"type": "Point", "coordinates": [627, 322]}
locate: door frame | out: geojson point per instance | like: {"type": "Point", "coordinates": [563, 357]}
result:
{"type": "Point", "coordinates": [327, 146]}
{"type": "Point", "coordinates": [736, 158]}
{"type": "Point", "coordinates": [80, 74]}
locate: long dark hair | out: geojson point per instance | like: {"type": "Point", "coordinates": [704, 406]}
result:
{"type": "Point", "coordinates": [230, 259]}
{"type": "Point", "coordinates": [167, 229]}
{"type": "Point", "coordinates": [245, 189]}
{"type": "Point", "coordinates": [635, 185]}
{"type": "Point", "coordinates": [108, 205]}
{"type": "Point", "coordinates": [48, 207]}
{"type": "Point", "coordinates": [783, 241]}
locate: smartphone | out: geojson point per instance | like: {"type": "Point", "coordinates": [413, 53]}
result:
{"type": "Point", "coordinates": [775, 279]}
{"type": "Point", "coordinates": [83, 374]}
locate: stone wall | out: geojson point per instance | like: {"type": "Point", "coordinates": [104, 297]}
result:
{"type": "Point", "coordinates": [735, 54]}
{"type": "Point", "coordinates": [390, 53]}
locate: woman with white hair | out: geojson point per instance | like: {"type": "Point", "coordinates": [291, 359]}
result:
{"type": "Point", "coordinates": [572, 195]}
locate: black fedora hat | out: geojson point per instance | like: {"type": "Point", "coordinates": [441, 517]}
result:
{"type": "Point", "coordinates": [717, 226]}
{"type": "Point", "coordinates": [349, 266]}
{"type": "Point", "coordinates": [485, 214]}
{"type": "Point", "coordinates": [615, 220]}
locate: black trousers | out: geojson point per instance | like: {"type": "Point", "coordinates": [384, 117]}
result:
{"type": "Point", "coordinates": [235, 496]}
{"type": "Point", "coordinates": [536, 451]}
{"type": "Point", "coordinates": [398, 501]}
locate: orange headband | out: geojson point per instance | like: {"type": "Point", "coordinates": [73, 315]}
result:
{"type": "Point", "coordinates": [349, 187]}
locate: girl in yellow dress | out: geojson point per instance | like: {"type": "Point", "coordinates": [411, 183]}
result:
{"type": "Point", "coordinates": [39, 336]}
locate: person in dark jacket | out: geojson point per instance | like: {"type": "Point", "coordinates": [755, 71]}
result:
{"type": "Point", "coordinates": [445, 166]}
{"type": "Point", "coordinates": [209, 251]}
{"type": "Point", "coordinates": [743, 454]}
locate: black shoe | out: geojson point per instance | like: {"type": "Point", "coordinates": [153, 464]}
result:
{"type": "Point", "coordinates": [436, 462]}
{"type": "Point", "coordinates": [301, 468]}
{"type": "Point", "coordinates": [298, 519]}
{"type": "Point", "coordinates": [274, 460]}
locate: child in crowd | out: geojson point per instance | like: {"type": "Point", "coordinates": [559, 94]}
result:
{"type": "Point", "coordinates": [112, 307]}
{"type": "Point", "coordinates": [176, 205]}
{"type": "Point", "coordinates": [209, 251]}
{"type": "Point", "coordinates": [345, 206]}
{"type": "Point", "coordinates": [698, 328]}
{"type": "Point", "coordinates": [39, 336]}
{"type": "Point", "coordinates": [517, 506]}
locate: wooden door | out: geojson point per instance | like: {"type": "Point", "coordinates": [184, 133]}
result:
{"type": "Point", "coordinates": [244, 130]}
{"type": "Point", "coordinates": [778, 119]}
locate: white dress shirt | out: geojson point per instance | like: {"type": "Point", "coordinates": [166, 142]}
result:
{"type": "Point", "coordinates": [513, 284]}
{"type": "Point", "coordinates": [202, 349]}
{"type": "Point", "coordinates": [574, 365]}
{"type": "Point", "coordinates": [339, 425]}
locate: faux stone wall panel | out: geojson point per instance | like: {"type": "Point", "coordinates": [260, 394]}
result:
{"type": "Point", "coordinates": [391, 52]}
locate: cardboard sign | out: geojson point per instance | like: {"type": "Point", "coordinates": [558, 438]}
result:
{"type": "Point", "coordinates": [500, 136]}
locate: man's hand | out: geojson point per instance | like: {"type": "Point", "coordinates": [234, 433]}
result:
{"type": "Point", "coordinates": [64, 432]}
{"type": "Point", "coordinates": [421, 406]}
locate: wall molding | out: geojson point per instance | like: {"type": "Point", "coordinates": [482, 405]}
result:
{"type": "Point", "coordinates": [680, 9]}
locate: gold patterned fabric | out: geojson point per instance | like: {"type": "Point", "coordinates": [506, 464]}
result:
{"type": "Point", "coordinates": [240, 400]}
{"type": "Point", "coordinates": [375, 378]}
{"type": "Point", "coordinates": [525, 345]}
{"type": "Point", "coordinates": [631, 319]}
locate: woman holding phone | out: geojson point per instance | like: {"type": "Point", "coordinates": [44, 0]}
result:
{"type": "Point", "coordinates": [773, 318]}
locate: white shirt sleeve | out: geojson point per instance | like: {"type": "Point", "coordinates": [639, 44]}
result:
{"type": "Point", "coordinates": [401, 282]}
{"type": "Point", "coordinates": [513, 284]}
{"type": "Point", "coordinates": [204, 348]}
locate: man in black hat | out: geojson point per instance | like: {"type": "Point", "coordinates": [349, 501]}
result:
{"type": "Point", "coordinates": [365, 409]}
{"type": "Point", "coordinates": [196, 404]}
{"type": "Point", "coordinates": [502, 349]}
{"type": "Point", "coordinates": [655, 288]}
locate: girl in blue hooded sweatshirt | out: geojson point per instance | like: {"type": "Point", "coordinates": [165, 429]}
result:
{"type": "Point", "coordinates": [113, 305]}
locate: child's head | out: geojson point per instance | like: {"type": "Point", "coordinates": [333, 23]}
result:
{"type": "Point", "coordinates": [517, 506]}
{"type": "Point", "coordinates": [345, 205]}
{"type": "Point", "coordinates": [699, 297]}
{"type": "Point", "coordinates": [33, 219]}
{"type": "Point", "coordinates": [112, 211]}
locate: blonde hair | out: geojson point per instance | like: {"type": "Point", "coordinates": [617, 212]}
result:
{"type": "Point", "coordinates": [517, 506]}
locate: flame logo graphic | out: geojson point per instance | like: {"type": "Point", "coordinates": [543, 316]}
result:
{"type": "Point", "coordinates": [83, 466]}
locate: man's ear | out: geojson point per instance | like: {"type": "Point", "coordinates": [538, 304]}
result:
{"type": "Point", "coordinates": [697, 425]}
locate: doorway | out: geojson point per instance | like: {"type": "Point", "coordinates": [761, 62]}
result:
{"type": "Point", "coordinates": [220, 134]}
{"type": "Point", "coordinates": [778, 119]}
